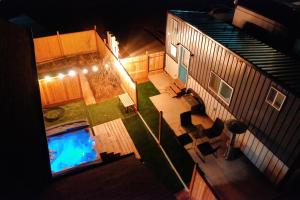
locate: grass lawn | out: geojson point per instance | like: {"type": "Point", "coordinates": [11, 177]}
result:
{"type": "Point", "coordinates": [179, 156]}
{"type": "Point", "coordinates": [107, 111]}
{"type": "Point", "coordinates": [151, 153]}
{"type": "Point", "coordinates": [73, 111]}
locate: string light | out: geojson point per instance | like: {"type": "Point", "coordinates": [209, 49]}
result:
{"type": "Point", "coordinates": [72, 73]}
{"type": "Point", "coordinates": [61, 75]}
{"type": "Point", "coordinates": [106, 66]}
{"type": "Point", "coordinates": [85, 71]}
{"type": "Point", "coordinates": [95, 68]}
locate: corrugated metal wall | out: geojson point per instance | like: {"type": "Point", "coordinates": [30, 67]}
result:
{"type": "Point", "coordinates": [272, 137]}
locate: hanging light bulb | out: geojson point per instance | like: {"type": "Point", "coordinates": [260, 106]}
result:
{"type": "Point", "coordinates": [95, 68]}
{"type": "Point", "coordinates": [72, 73]}
{"type": "Point", "coordinates": [85, 71]}
{"type": "Point", "coordinates": [61, 75]}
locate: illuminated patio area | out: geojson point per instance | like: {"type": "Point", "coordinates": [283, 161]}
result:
{"type": "Point", "coordinates": [234, 179]}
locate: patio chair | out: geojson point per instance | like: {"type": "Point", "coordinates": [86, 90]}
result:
{"type": "Point", "coordinates": [214, 131]}
{"type": "Point", "coordinates": [186, 121]}
{"type": "Point", "coordinates": [204, 149]}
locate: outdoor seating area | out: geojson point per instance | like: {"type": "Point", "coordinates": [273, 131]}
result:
{"type": "Point", "coordinates": [207, 141]}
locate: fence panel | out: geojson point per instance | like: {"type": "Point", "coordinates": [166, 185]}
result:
{"type": "Point", "coordinates": [56, 90]}
{"type": "Point", "coordinates": [127, 83]}
{"type": "Point", "coordinates": [77, 43]}
{"type": "Point", "coordinates": [61, 45]}
{"type": "Point", "coordinates": [47, 48]}
{"type": "Point", "coordinates": [199, 188]}
{"type": "Point", "coordinates": [156, 61]}
{"type": "Point", "coordinates": [139, 66]}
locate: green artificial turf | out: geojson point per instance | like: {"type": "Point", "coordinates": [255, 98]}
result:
{"type": "Point", "coordinates": [178, 155]}
{"type": "Point", "coordinates": [106, 111]}
{"type": "Point", "coordinates": [73, 111]}
{"type": "Point", "coordinates": [151, 154]}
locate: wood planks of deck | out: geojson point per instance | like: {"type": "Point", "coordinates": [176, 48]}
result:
{"type": "Point", "coordinates": [112, 137]}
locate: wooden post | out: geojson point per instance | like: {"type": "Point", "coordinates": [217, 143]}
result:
{"type": "Point", "coordinates": [147, 62]}
{"type": "Point", "coordinates": [193, 177]}
{"type": "Point", "coordinates": [160, 126]}
{"type": "Point", "coordinates": [95, 30]}
{"type": "Point", "coordinates": [136, 96]}
{"type": "Point", "coordinates": [60, 44]}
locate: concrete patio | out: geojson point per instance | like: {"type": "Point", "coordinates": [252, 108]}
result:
{"type": "Point", "coordinates": [236, 179]}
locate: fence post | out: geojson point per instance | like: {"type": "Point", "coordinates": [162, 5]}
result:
{"type": "Point", "coordinates": [148, 68]}
{"type": "Point", "coordinates": [60, 44]}
{"type": "Point", "coordinates": [160, 126]}
{"type": "Point", "coordinates": [95, 30]}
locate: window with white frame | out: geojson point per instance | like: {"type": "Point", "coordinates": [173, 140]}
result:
{"type": "Point", "coordinates": [275, 98]}
{"type": "Point", "coordinates": [174, 50]}
{"type": "Point", "coordinates": [186, 57]}
{"type": "Point", "coordinates": [220, 87]}
{"type": "Point", "coordinates": [174, 26]}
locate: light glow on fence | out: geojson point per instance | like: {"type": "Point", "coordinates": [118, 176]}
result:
{"type": "Point", "coordinates": [72, 73]}
{"type": "Point", "coordinates": [47, 78]}
{"type": "Point", "coordinates": [61, 75]}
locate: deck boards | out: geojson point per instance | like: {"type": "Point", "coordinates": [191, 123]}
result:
{"type": "Point", "coordinates": [112, 137]}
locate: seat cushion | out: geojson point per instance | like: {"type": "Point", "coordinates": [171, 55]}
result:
{"type": "Point", "coordinates": [184, 139]}
{"type": "Point", "coordinates": [205, 148]}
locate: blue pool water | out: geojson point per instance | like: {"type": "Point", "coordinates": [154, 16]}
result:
{"type": "Point", "coordinates": [70, 149]}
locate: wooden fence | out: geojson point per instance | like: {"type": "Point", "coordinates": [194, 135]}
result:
{"type": "Point", "coordinates": [56, 90]}
{"type": "Point", "coordinates": [107, 57]}
{"type": "Point", "coordinates": [200, 188]}
{"type": "Point", "coordinates": [139, 66]}
{"type": "Point", "coordinates": [63, 45]}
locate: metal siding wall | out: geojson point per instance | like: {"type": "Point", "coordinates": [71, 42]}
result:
{"type": "Point", "coordinates": [257, 153]}
{"type": "Point", "coordinates": [269, 130]}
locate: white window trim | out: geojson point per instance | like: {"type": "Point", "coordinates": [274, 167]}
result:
{"type": "Point", "coordinates": [277, 92]}
{"type": "Point", "coordinates": [175, 58]}
{"type": "Point", "coordinates": [218, 94]}
{"type": "Point", "coordinates": [182, 60]}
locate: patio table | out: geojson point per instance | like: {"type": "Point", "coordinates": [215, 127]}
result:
{"type": "Point", "coordinates": [126, 101]}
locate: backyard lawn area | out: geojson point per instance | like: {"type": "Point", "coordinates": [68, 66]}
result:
{"type": "Point", "coordinates": [107, 111]}
{"type": "Point", "coordinates": [178, 155]}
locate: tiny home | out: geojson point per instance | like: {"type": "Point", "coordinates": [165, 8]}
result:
{"type": "Point", "coordinates": [239, 77]}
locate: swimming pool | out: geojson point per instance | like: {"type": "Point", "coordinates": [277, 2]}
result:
{"type": "Point", "coordinates": [70, 149]}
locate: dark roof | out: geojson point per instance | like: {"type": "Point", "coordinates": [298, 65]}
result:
{"type": "Point", "coordinates": [279, 67]}
{"type": "Point", "coordinates": [124, 179]}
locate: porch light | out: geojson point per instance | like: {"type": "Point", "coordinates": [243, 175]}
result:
{"type": "Point", "coordinates": [95, 68]}
{"type": "Point", "coordinates": [106, 66]}
{"type": "Point", "coordinates": [85, 71]}
{"type": "Point", "coordinates": [61, 75]}
{"type": "Point", "coordinates": [72, 73]}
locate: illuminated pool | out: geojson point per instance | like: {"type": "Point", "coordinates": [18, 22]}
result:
{"type": "Point", "coordinates": [71, 149]}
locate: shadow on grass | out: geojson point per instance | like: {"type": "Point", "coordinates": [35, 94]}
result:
{"type": "Point", "coordinates": [178, 155]}
{"type": "Point", "coordinates": [151, 153]}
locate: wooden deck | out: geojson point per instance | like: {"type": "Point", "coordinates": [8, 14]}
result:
{"type": "Point", "coordinates": [112, 137]}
